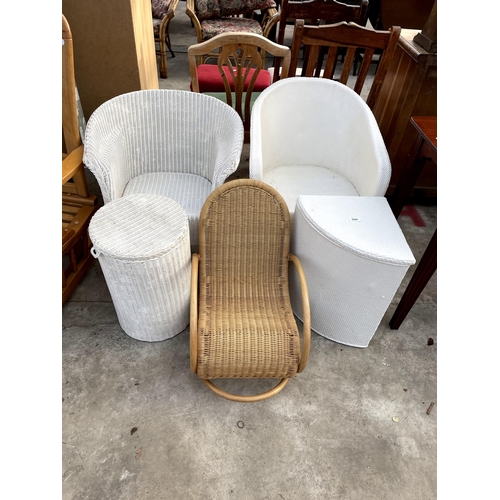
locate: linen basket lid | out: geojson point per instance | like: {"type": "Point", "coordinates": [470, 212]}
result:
{"type": "Point", "coordinates": [363, 225]}
{"type": "Point", "coordinates": [138, 227]}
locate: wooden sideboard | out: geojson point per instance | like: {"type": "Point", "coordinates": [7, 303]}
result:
{"type": "Point", "coordinates": [114, 48]}
{"type": "Point", "coordinates": [409, 89]}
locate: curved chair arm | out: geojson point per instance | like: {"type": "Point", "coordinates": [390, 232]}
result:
{"type": "Point", "coordinates": [190, 11]}
{"type": "Point", "coordinates": [193, 321]}
{"type": "Point", "coordinates": [246, 399]}
{"type": "Point", "coordinates": [306, 329]}
{"type": "Point", "coordinates": [270, 19]}
{"type": "Point", "coordinates": [228, 146]}
{"type": "Point", "coordinates": [167, 18]}
{"type": "Point", "coordinates": [105, 156]}
{"type": "Point", "coordinates": [72, 163]}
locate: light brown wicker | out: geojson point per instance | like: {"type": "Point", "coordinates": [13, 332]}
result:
{"type": "Point", "coordinates": [242, 323]}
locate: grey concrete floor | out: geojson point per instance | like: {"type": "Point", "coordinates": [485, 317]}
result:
{"type": "Point", "coordinates": [354, 425]}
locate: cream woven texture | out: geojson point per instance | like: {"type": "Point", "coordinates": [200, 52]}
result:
{"type": "Point", "coordinates": [143, 246]}
{"type": "Point", "coordinates": [315, 136]}
{"type": "Point", "coordinates": [355, 256]}
{"type": "Point", "coordinates": [181, 144]}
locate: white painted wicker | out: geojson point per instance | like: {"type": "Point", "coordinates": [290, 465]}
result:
{"type": "Point", "coordinates": [355, 256]}
{"type": "Point", "coordinates": [142, 243]}
{"type": "Point", "coordinates": [175, 143]}
{"type": "Point", "coordinates": [315, 136]}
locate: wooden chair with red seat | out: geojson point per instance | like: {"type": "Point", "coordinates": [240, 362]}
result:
{"type": "Point", "coordinates": [239, 75]}
{"type": "Point", "coordinates": [78, 205]}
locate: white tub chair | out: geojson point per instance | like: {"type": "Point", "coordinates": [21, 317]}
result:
{"type": "Point", "coordinates": [314, 136]}
{"type": "Point", "coordinates": [174, 143]}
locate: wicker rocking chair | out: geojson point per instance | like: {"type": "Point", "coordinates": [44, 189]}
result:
{"type": "Point", "coordinates": [242, 324]}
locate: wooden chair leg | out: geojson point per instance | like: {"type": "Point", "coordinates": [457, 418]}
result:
{"type": "Point", "coordinates": [163, 58]}
{"type": "Point", "coordinates": [169, 45]}
{"type": "Point", "coordinates": [425, 269]}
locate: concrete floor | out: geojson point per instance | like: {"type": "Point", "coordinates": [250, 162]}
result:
{"type": "Point", "coordinates": [353, 425]}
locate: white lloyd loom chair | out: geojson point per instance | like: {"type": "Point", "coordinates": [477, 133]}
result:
{"type": "Point", "coordinates": [174, 143]}
{"type": "Point", "coordinates": [242, 324]}
{"type": "Point", "coordinates": [314, 136]}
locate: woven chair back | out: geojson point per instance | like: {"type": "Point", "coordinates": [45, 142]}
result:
{"type": "Point", "coordinates": [244, 241]}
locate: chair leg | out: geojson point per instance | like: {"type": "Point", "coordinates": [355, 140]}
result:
{"type": "Point", "coordinates": [246, 399]}
{"type": "Point", "coordinates": [168, 44]}
{"type": "Point", "coordinates": [163, 58]}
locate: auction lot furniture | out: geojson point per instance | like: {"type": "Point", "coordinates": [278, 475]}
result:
{"type": "Point", "coordinates": [142, 243]}
{"type": "Point", "coordinates": [314, 136]}
{"type": "Point", "coordinates": [242, 324]}
{"type": "Point", "coordinates": [176, 143]}
{"type": "Point", "coordinates": [355, 256]}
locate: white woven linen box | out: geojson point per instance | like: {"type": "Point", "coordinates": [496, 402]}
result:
{"type": "Point", "coordinates": [354, 256]}
{"type": "Point", "coordinates": [143, 246]}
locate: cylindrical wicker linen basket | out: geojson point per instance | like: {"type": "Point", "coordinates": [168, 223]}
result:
{"type": "Point", "coordinates": [142, 243]}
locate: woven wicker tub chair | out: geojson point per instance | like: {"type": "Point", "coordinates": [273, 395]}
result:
{"type": "Point", "coordinates": [329, 145]}
{"type": "Point", "coordinates": [174, 143]}
{"type": "Point", "coordinates": [242, 324]}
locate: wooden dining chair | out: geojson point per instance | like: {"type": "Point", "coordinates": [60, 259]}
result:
{"type": "Point", "coordinates": [316, 12]}
{"type": "Point", "coordinates": [78, 205]}
{"type": "Point", "coordinates": [238, 74]}
{"type": "Point", "coordinates": [242, 324]}
{"type": "Point", "coordinates": [351, 38]}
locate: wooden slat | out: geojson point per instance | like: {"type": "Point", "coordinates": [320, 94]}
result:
{"type": "Point", "coordinates": [348, 60]}
{"type": "Point", "coordinates": [363, 70]}
{"type": "Point", "coordinates": [70, 199]}
{"type": "Point", "coordinates": [331, 63]}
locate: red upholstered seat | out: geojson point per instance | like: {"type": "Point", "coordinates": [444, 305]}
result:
{"type": "Point", "coordinates": [210, 79]}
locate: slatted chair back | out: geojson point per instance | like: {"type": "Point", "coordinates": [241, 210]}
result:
{"type": "Point", "coordinates": [349, 37]}
{"type": "Point", "coordinates": [315, 12]}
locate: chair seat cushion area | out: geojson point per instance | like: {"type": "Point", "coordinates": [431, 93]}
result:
{"type": "Point", "coordinates": [250, 343]}
{"type": "Point", "coordinates": [210, 79]}
{"type": "Point", "coordinates": [213, 27]}
{"type": "Point", "coordinates": [292, 181]}
{"type": "Point", "coordinates": [189, 190]}
{"type": "Point", "coordinates": [159, 8]}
